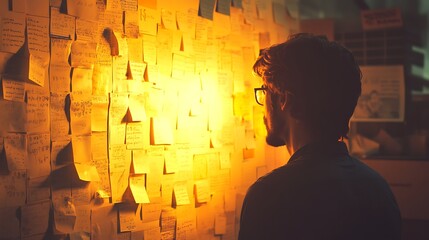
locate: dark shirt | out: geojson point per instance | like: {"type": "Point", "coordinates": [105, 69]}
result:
{"type": "Point", "coordinates": [321, 193]}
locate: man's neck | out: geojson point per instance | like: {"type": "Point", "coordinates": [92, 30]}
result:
{"type": "Point", "coordinates": [299, 136]}
{"type": "Point", "coordinates": [294, 146]}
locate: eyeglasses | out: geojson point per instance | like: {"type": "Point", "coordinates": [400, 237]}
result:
{"type": "Point", "coordinates": [260, 95]}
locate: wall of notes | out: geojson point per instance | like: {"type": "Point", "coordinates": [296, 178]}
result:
{"type": "Point", "coordinates": [131, 119]}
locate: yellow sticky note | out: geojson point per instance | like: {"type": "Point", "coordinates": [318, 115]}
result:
{"type": "Point", "coordinates": [38, 63]}
{"type": "Point", "coordinates": [137, 107]}
{"type": "Point", "coordinates": [181, 193]}
{"type": "Point", "coordinates": [60, 125]}
{"type": "Point", "coordinates": [186, 225]}
{"type": "Point", "coordinates": [83, 218]}
{"type": "Point", "coordinates": [37, 111]}
{"type": "Point", "coordinates": [15, 145]}
{"type": "Point", "coordinates": [99, 113]}
{"type": "Point", "coordinates": [170, 161]}
{"type": "Point", "coordinates": [152, 233]}
{"type": "Point", "coordinates": [137, 135]}
{"type": "Point", "coordinates": [82, 80]}
{"type": "Point", "coordinates": [138, 189]}
{"type": "Point", "coordinates": [81, 146]}
{"type": "Point", "coordinates": [168, 18]}
{"type": "Point", "coordinates": [128, 217]}
{"type": "Point", "coordinates": [38, 34]}
{"type": "Point", "coordinates": [136, 71]}
{"type": "Point", "coordinates": [104, 222]}
{"type": "Point", "coordinates": [162, 130]}
{"type": "Point", "coordinates": [38, 155]}
{"type": "Point", "coordinates": [148, 20]}
{"type": "Point", "coordinates": [83, 54]}
{"type": "Point", "coordinates": [225, 159]}
{"type": "Point", "coordinates": [168, 219]}
{"type": "Point", "coordinates": [117, 134]}
{"type": "Point", "coordinates": [87, 30]}
{"type": "Point", "coordinates": [82, 9]}
{"type": "Point", "coordinates": [141, 162]}
{"type": "Point", "coordinates": [149, 49]}
{"type": "Point", "coordinates": [35, 218]}
{"type": "Point", "coordinates": [13, 90]}
{"type": "Point", "coordinates": [202, 191]}
{"type": "Point", "coordinates": [118, 108]}
{"type": "Point", "coordinates": [87, 172]}
{"type": "Point", "coordinates": [64, 216]}
{"type": "Point", "coordinates": [153, 184]}
{"type": "Point", "coordinates": [62, 25]}
{"type": "Point", "coordinates": [186, 20]}
{"type": "Point", "coordinates": [15, 183]}
{"type": "Point", "coordinates": [12, 22]}
{"type": "Point", "coordinates": [152, 211]}
{"type": "Point", "coordinates": [167, 185]}
{"type": "Point", "coordinates": [119, 184]}
{"type": "Point", "coordinates": [131, 23]}
{"type": "Point", "coordinates": [80, 113]}
{"type": "Point", "coordinates": [183, 66]}
{"type": "Point", "coordinates": [220, 224]}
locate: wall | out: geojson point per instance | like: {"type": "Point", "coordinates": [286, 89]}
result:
{"type": "Point", "coordinates": [125, 119]}
{"type": "Point", "coordinates": [346, 15]}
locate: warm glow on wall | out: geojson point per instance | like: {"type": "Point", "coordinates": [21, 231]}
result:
{"type": "Point", "coordinates": [136, 109]}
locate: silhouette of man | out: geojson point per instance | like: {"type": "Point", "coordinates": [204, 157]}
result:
{"type": "Point", "coordinates": [310, 90]}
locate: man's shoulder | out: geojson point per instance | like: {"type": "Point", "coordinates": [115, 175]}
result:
{"type": "Point", "coordinates": [281, 177]}
{"type": "Point", "coordinates": [266, 193]}
{"type": "Point", "coordinates": [310, 170]}
{"type": "Point", "coordinates": [290, 170]}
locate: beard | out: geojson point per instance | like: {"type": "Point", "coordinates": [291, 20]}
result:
{"type": "Point", "coordinates": [275, 123]}
{"type": "Point", "coordinates": [274, 132]}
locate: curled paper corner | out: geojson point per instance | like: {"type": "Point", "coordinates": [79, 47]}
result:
{"type": "Point", "coordinates": [101, 194]}
{"type": "Point", "coordinates": [110, 37]}
{"type": "Point", "coordinates": [87, 172]}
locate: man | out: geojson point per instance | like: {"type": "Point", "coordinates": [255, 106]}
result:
{"type": "Point", "coordinates": [310, 90]}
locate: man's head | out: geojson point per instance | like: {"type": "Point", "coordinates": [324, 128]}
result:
{"type": "Point", "coordinates": [317, 81]}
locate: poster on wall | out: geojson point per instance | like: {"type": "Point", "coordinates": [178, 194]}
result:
{"type": "Point", "coordinates": [383, 94]}
{"type": "Point", "coordinates": [381, 19]}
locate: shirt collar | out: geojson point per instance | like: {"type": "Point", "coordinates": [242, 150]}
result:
{"type": "Point", "coordinates": [319, 150]}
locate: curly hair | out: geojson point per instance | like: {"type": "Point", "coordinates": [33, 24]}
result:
{"type": "Point", "coordinates": [321, 77]}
